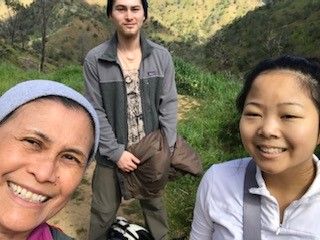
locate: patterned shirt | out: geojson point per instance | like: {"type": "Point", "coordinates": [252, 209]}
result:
{"type": "Point", "coordinates": [134, 111]}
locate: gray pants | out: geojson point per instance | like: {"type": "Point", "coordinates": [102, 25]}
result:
{"type": "Point", "coordinates": [106, 199]}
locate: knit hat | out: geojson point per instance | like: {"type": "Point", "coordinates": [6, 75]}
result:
{"type": "Point", "coordinates": [27, 91]}
{"type": "Point", "coordinates": [144, 5]}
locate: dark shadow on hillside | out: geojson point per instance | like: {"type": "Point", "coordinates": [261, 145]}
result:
{"type": "Point", "coordinates": [283, 27]}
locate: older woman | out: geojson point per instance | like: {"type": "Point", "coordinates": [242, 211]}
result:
{"type": "Point", "coordinates": [48, 133]}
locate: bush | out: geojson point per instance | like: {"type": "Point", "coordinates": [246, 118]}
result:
{"type": "Point", "coordinates": [69, 75]}
{"type": "Point", "coordinates": [211, 129]}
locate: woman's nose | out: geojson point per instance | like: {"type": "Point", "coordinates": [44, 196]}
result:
{"type": "Point", "coordinates": [44, 169]}
{"type": "Point", "coordinates": [269, 128]}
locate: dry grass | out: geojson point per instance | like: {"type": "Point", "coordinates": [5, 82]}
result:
{"type": "Point", "coordinates": [98, 2]}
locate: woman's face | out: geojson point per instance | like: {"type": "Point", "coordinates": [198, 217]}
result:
{"type": "Point", "coordinates": [44, 149]}
{"type": "Point", "coordinates": [279, 125]}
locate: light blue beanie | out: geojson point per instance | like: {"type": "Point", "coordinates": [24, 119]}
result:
{"type": "Point", "coordinates": [27, 91]}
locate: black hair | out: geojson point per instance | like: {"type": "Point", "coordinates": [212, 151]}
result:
{"type": "Point", "coordinates": [308, 67]}
{"type": "Point", "coordinates": [144, 5]}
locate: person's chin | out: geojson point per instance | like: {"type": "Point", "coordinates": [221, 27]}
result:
{"type": "Point", "coordinates": [20, 223]}
{"type": "Point", "coordinates": [129, 33]}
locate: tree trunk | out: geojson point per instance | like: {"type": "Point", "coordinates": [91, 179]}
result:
{"type": "Point", "coordinates": [43, 34]}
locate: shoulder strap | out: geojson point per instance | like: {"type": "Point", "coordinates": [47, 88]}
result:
{"type": "Point", "coordinates": [251, 205]}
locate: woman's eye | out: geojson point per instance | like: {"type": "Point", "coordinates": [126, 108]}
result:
{"type": "Point", "coordinates": [289, 116]}
{"type": "Point", "coordinates": [32, 142]}
{"type": "Point", "coordinates": [251, 114]}
{"type": "Point", "coordinates": [70, 157]}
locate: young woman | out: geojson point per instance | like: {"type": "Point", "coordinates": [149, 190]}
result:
{"type": "Point", "coordinates": [279, 128]}
{"type": "Point", "coordinates": [48, 133]}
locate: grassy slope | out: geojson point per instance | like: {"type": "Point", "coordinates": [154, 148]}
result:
{"type": "Point", "coordinates": [289, 26]}
{"type": "Point", "coordinates": [76, 27]}
{"type": "Point", "coordinates": [188, 18]}
{"type": "Point", "coordinates": [211, 129]}
{"type": "Point", "coordinates": [200, 18]}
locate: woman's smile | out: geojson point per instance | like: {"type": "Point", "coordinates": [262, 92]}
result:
{"type": "Point", "coordinates": [26, 194]}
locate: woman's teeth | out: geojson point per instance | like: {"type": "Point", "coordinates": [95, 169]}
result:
{"type": "Point", "coordinates": [26, 195]}
{"type": "Point", "coordinates": [271, 150]}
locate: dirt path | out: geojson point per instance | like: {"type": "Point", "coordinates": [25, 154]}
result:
{"type": "Point", "coordinates": [74, 218]}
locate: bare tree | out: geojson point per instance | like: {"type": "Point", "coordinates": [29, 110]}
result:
{"type": "Point", "coordinates": [45, 9]}
{"type": "Point", "coordinates": [12, 23]}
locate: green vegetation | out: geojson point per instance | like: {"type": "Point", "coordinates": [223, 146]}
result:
{"type": "Point", "coordinates": [11, 75]}
{"type": "Point", "coordinates": [198, 19]}
{"type": "Point", "coordinates": [218, 35]}
{"type": "Point", "coordinates": [285, 27]}
{"type": "Point", "coordinates": [74, 27]}
{"type": "Point", "coordinates": [212, 129]}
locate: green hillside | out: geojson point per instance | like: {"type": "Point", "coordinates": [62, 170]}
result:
{"type": "Point", "coordinates": [74, 27]}
{"type": "Point", "coordinates": [184, 18]}
{"type": "Point", "coordinates": [219, 35]}
{"type": "Point", "coordinates": [198, 19]}
{"type": "Point", "coordinates": [286, 27]}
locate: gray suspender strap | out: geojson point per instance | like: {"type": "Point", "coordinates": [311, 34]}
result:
{"type": "Point", "coordinates": [251, 206]}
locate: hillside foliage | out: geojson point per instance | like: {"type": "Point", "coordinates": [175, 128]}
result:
{"type": "Point", "coordinates": [198, 19]}
{"type": "Point", "coordinates": [218, 35]}
{"type": "Point", "coordinates": [285, 27]}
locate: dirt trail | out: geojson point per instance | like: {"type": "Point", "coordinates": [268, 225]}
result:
{"type": "Point", "coordinates": [74, 218]}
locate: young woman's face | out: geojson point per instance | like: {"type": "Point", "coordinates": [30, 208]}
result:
{"type": "Point", "coordinates": [279, 125]}
{"type": "Point", "coordinates": [128, 17]}
{"type": "Point", "coordinates": [44, 149]}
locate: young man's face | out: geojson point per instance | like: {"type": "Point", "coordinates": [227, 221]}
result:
{"type": "Point", "coordinates": [128, 17]}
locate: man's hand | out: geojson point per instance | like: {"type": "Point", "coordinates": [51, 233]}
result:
{"type": "Point", "coordinates": [128, 162]}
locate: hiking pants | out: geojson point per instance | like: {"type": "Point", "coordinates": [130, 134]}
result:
{"type": "Point", "coordinates": [106, 199]}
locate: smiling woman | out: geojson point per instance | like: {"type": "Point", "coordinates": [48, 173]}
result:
{"type": "Point", "coordinates": [48, 135]}
{"type": "Point", "coordinates": [279, 127]}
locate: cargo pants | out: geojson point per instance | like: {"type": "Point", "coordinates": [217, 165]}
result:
{"type": "Point", "coordinates": [106, 199]}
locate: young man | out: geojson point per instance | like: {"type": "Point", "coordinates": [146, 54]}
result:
{"type": "Point", "coordinates": [130, 81]}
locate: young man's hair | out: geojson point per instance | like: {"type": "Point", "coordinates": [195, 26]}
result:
{"type": "Point", "coordinates": [144, 5]}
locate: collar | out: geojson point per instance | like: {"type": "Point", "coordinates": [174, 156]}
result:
{"type": "Point", "coordinates": [110, 54]}
{"type": "Point", "coordinates": [314, 189]}
{"type": "Point", "coordinates": [41, 232]}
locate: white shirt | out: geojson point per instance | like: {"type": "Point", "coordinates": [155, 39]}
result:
{"type": "Point", "coordinates": [218, 211]}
